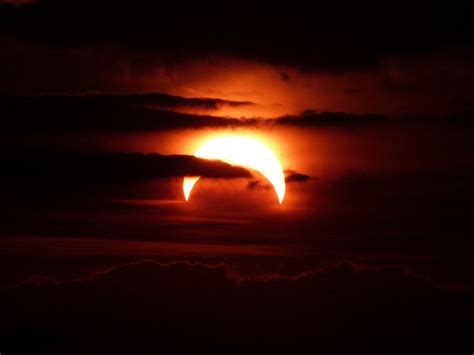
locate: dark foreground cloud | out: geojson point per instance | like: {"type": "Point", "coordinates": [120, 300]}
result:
{"type": "Point", "coordinates": [87, 167]}
{"type": "Point", "coordinates": [227, 274]}
{"type": "Point", "coordinates": [148, 304]}
{"type": "Point", "coordinates": [312, 118]}
{"type": "Point", "coordinates": [110, 113]}
{"type": "Point", "coordinates": [291, 176]}
{"type": "Point", "coordinates": [150, 100]}
{"type": "Point", "coordinates": [318, 119]}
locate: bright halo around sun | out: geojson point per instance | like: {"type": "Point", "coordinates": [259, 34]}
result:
{"type": "Point", "coordinates": [241, 151]}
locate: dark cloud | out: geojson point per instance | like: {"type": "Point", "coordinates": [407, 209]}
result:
{"type": "Point", "coordinates": [311, 118]}
{"type": "Point", "coordinates": [87, 167]}
{"type": "Point", "coordinates": [151, 100]}
{"type": "Point", "coordinates": [255, 184]}
{"type": "Point", "coordinates": [110, 113]}
{"type": "Point", "coordinates": [292, 176]}
{"type": "Point", "coordinates": [155, 112]}
{"type": "Point", "coordinates": [150, 304]}
{"type": "Point", "coordinates": [226, 273]}
{"type": "Point", "coordinates": [316, 119]}
{"type": "Point", "coordinates": [315, 36]}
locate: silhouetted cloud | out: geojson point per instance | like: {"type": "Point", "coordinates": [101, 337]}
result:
{"type": "Point", "coordinates": [156, 112]}
{"type": "Point", "coordinates": [292, 176]}
{"type": "Point", "coordinates": [82, 167]}
{"type": "Point", "coordinates": [110, 113]}
{"type": "Point", "coordinates": [311, 118]}
{"type": "Point", "coordinates": [227, 273]}
{"type": "Point", "coordinates": [255, 184]}
{"type": "Point", "coordinates": [212, 303]}
{"type": "Point", "coordinates": [151, 100]}
{"type": "Point", "coordinates": [316, 119]}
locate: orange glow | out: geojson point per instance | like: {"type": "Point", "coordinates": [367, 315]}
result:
{"type": "Point", "coordinates": [241, 151]}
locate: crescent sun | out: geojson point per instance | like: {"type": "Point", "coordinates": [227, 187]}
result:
{"type": "Point", "coordinates": [241, 151]}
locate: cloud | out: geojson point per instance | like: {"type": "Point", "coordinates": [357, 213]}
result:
{"type": "Point", "coordinates": [292, 176]}
{"type": "Point", "coordinates": [255, 184]}
{"type": "Point", "coordinates": [86, 167]}
{"type": "Point", "coordinates": [152, 100]}
{"type": "Point", "coordinates": [226, 273]}
{"type": "Point", "coordinates": [104, 57]}
{"type": "Point", "coordinates": [143, 112]}
{"type": "Point", "coordinates": [311, 118]}
{"type": "Point", "coordinates": [153, 304]}
{"type": "Point", "coordinates": [161, 112]}
{"type": "Point", "coordinates": [110, 113]}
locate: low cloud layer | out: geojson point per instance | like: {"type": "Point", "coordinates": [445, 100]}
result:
{"type": "Point", "coordinates": [211, 304]}
{"type": "Point", "coordinates": [227, 274]}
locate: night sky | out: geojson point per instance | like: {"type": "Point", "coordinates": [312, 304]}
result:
{"type": "Point", "coordinates": [369, 109]}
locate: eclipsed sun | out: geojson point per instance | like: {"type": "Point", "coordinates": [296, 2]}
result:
{"type": "Point", "coordinates": [245, 152]}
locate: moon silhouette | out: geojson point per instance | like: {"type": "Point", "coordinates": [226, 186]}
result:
{"type": "Point", "coordinates": [241, 151]}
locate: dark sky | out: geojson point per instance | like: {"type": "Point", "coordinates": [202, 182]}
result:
{"type": "Point", "coordinates": [368, 108]}
{"type": "Point", "coordinates": [320, 36]}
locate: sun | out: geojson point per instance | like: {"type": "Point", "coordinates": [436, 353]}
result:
{"type": "Point", "coordinates": [241, 151]}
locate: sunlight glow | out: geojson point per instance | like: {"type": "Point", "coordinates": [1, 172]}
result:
{"type": "Point", "coordinates": [241, 151]}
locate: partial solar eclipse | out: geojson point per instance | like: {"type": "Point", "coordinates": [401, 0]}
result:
{"type": "Point", "coordinates": [241, 151]}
